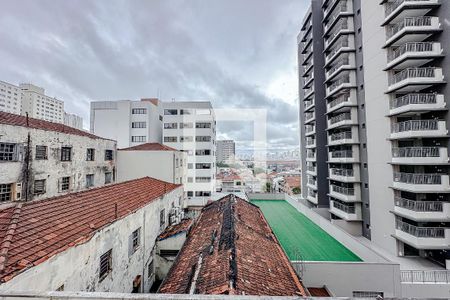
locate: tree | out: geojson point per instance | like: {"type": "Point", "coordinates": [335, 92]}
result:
{"type": "Point", "coordinates": [268, 187]}
{"type": "Point", "coordinates": [297, 190]}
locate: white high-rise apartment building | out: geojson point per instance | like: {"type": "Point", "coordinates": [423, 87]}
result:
{"type": "Point", "coordinates": [191, 127]}
{"type": "Point", "coordinates": [10, 98]}
{"type": "Point", "coordinates": [40, 106]}
{"type": "Point", "coordinates": [226, 150]}
{"type": "Point", "coordinates": [128, 122]}
{"type": "Point", "coordinates": [73, 120]}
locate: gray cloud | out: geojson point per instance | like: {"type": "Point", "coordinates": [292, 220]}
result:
{"type": "Point", "coordinates": [226, 51]}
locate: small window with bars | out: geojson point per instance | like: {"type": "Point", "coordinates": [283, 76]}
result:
{"type": "Point", "coordinates": [5, 192]}
{"type": "Point", "coordinates": [41, 152]}
{"type": "Point", "coordinates": [66, 153]}
{"type": "Point", "coordinates": [150, 270]}
{"type": "Point", "coordinates": [90, 154]}
{"type": "Point", "coordinates": [368, 294]}
{"type": "Point", "coordinates": [162, 217]}
{"type": "Point", "coordinates": [64, 184]}
{"type": "Point", "coordinates": [8, 152]}
{"type": "Point", "coordinates": [39, 187]}
{"type": "Point", "coordinates": [105, 264]}
{"type": "Point", "coordinates": [138, 138]}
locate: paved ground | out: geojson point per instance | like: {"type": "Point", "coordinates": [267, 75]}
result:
{"type": "Point", "coordinates": [299, 236]}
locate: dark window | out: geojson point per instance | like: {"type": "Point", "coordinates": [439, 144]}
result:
{"type": "Point", "coordinates": [162, 217]}
{"type": "Point", "coordinates": [202, 193]}
{"type": "Point", "coordinates": [170, 125]}
{"type": "Point", "coordinates": [139, 111]}
{"type": "Point", "coordinates": [136, 239]}
{"type": "Point", "coordinates": [202, 125]}
{"type": "Point", "coordinates": [8, 152]}
{"type": "Point", "coordinates": [64, 184]}
{"type": "Point", "coordinates": [150, 269]}
{"type": "Point", "coordinates": [138, 125]}
{"type": "Point", "coordinates": [105, 264]}
{"type": "Point", "coordinates": [202, 152]}
{"type": "Point", "coordinates": [39, 186]}
{"type": "Point", "coordinates": [186, 111]}
{"type": "Point", "coordinates": [108, 177]}
{"type": "Point", "coordinates": [108, 155]}
{"type": "Point", "coordinates": [138, 138]}
{"type": "Point", "coordinates": [190, 193]}
{"type": "Point", "coordinates": [66, 153]}
{"type": "Point", "coordinates": [90, 154]}
{"type": "Point", "coordinates": [203, 166]}
{"type": "Point", "coordinates": [167, 252]}
{"type": "Point", "coordinates": [5, 192]}
{"type": "Point", "coordinates": [170, 139]}
{"type": "Point", "coordinates": [202, 138]}
{"type": "Point", "coordinates": [41, 152]}
{"type": "Point", "coordinates": [160, 118]}
{"type": "Point", "coordinates": [89, 180]}
{"type": "Point", "coordinates": [170, 112]}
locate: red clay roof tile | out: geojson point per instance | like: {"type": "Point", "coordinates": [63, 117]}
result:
{"type": "Point", "coordinates": [149, 147]}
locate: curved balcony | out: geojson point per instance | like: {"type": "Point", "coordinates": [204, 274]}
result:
{"type": "Point", "coordinates": [346, 99]}
{"type": "Point", "coordinates": [418, 129]}
{"type": "Point", "coordinates": [400, 9]}
{"type": "Point", "coordinates": [345, 8]}
{"type": "Point", "coordinates": [420, 155]}
{"type": "Point", "coordinates": [343, 119]}
{"type": "Point", "coordinates": [343, 27]}
{"type": "Point", "coordinates": [309, 92]}
{"type": "Point", "coordinates": [415, 79]}
{"type": "Point", "coordinates": [345, 62]}
{"type": "Point", "coordinates": [346, 81]}
{"type": "Point", "coordinates": [417, 102]}
{"type": "Point", "coordinates": [344, 156]}
{"type": "Point", "coordinates": [411, 29]}
{"type": "Point", "coordinates": [344, 137]}
{"type": "Point", "coordinates": [413, 54]}
{"type": "Point", "coordinates": [422, 237]}
{"type": "Point", "coordinates": [421, 182]}
{"type": "Point", "coordinates": [346, 194]}
{"type": "Point", "coordinates": [349, 212]}
{"type": "Point", "coordinates": [422, 211]}
{"type": "Point", "coordinates": [345, 43]}
{"type": "Point", "coordinates": [345, 175]}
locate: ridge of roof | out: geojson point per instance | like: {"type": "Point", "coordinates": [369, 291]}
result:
{"type": "Point", "coordinates": [149, 147]}
{"type": "Point", "coordinates": [6, 242]}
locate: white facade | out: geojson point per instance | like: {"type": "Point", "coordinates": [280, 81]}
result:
{"type": "Point", "coordinates": [128, 122]}
{"type": "Point", "coordinates": [226, 150]}
{"type": "Point", "coordinates": [10, 98]}
{"type": "Point", "coordinates": [169, 166]}
{"type": "Point", "coordinates": [77, 268]}
{"type": "Point", "coordinates": [191, 127]}
{"type": "Point", "coordinates": [49, 175]}
{"type": "Point", "coordinates": [73, 120]}
{"type": "Point", "coordinates": [40, 106]}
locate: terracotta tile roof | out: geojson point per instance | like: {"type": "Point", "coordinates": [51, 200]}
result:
{"type": "Point", "coordinates": [18, 120]}
{"type": "Point", "coordinates": [32, 232]}
{"type": "Point", "coordinates": [318, 292]}
{"type": "Point", "coordinates": [232, 250]}
{"type": "Point", "coordinates": [183, 226]}
{"type": "Point", "coordinates": [293, 181]}
{"type": "Point", "coordinates": [228, 177]}
{"type": "Point", "coordinates": [150, 147]}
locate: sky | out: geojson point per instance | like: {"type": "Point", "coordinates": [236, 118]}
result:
{"type": "Point", "coordinates": [235, 53]}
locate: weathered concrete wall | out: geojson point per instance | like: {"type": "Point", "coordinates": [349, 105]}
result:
{"type": "Point", "coordinates": [78, 267]}
{"type": "Point", "coordinates": [52, 169]}
{"type": "Point", "coordinates": [165, 263]}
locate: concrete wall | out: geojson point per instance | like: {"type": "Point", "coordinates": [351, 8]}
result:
{"type": "Point", "coordinates": [52, 169]}
{"type": "Point", "coordinates": [165, 263]}
{"type": "Point", "coordinates": [168, 166]}
{"type": "Point", "coordinates": [265, 196]}
{"type": "Point", "coordinates": [78, 267]}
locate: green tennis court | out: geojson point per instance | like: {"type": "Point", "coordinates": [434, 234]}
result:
{"type": "Point", "coordinates": [299, 236]}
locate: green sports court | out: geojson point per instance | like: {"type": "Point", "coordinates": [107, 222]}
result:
{"type": "Point", "coordinates": [300, 238]}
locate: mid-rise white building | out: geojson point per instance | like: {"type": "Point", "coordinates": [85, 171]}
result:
{"type": "Point", "coordinates": [10, 98]}
{"type": "Point", "coordinates": [226, 150]}
{"type": "Point", "coordinates": [128, 122]}
{"type": "Point", "coordinates": [40, 106]}
{"type": "Point", "coordinates": [73, 120]}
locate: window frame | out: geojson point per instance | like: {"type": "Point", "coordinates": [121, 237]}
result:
{"type": "Point", "coordinates": [44, 187]}
{"type": "Point", "coordinates": [64, 156]}
{"type": "Point", "coordinates": [62, 184]}
{"type": "Point", "coordinates": [105, 261]}
{"type": "Point", "coordinates": [162, 217]}
{"type": "Point", "coordinates": [6, 192]}
{"type": "Point", "coordinates": [38, 150]}
{"type": "Point", "coordinates": [90, 156]}
{"type": "Point", "coordinates": [91, 181]}
{"type": "Point", "coordinates": [107, 156]}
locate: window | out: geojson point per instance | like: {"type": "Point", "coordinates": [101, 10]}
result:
{"type": "Point", "coordinates": [186, 125]}
{"type": "Point", "coordinates": [135, 240]}
{"type": "Point", "coordinates": [162, 217]}
{"type": "Point", "coordinates": [170, 139]}
{"type": "Point", "coordinates": [186, 111]}
{"type": "Point", "coordinates": [90, 154]}
{"type": "Point", "coordinates": [203, 125]}
{"type": "Point", "coordinates": [202, 193]}
{"type": "Point", "coordinates": [160, 118]}
{"type": "Point", "coordinates": [202, 152]}
{"type": "Point", "coordinates": [186, 139]}
{"type": "Point", "coordinates": [150, 269]}
{"type": "Point", "coordinates": [8, 152]}
{"type": "Point", "coordinates": [41, 152]}
{"type": "Point", "coordinates": [108, 177]}
{"type": "Point", "coordinates": [170, 112]}
{"type": "Point", "coordinates": [89, 180]}
{"type": "Point", "coordinates": [202, 138]}
{"type": "Point", "coordinates": [138, 125]}
{"type": "Point", "coordinates": [138, 138]}
{"type": "Point", "coordinates": [64, 184]}
{"type": "Point", "coordinates": [190, 166]}
{"type": "Point", "coordinates": [105, 264]}
{"type": "Point", "coordinates": [190, 193]}
{"type": "Point", "coordinates": [364, 294]}
{"type": "Point", "coordinates": [108, 155]}
{"type": "Point", "coordinates": [203, 179]}
{"type": "Point", "coordinates": [138, 111]}
{"type": "Point", "coordinates": [39, 186]}
{"type": "Point", "coordinates": [5, 192]}
{"type": "Point", "coordinates": [203, 166]}
{"type": "Point", "coordinates": [66, 153]}
{"type": "Point", "coordinates": [170, 125]}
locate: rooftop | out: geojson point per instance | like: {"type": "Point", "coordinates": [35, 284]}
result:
{"type": "Point", "coordinates": [301, 238]}
{"type": "Point", "coordinates": [149, 147]}
{"type": "Point", "coordinates": [32, 232]}
{"type": "Point", "coordinates": [220, 257]}
{"type": "Point", "coordinates": [173, 230]}
{"type": "Point", "coordinates": [18, 120]}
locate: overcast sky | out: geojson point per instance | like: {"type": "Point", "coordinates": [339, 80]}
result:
{"type": "Point", "coordinates": [236, 53]}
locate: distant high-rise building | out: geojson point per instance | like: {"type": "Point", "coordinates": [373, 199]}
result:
{"type": "Point", "coordinates": [226, 150]}
{"type": "Point", "coordinates": [10, 98]}
{"type": "Point", "coordinates": [73, 120]}
{"type": "Point", "coordinates": [40, 106]}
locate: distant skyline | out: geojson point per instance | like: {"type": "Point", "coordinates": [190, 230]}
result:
{"type": "Point", "coordinates": [235, 53]}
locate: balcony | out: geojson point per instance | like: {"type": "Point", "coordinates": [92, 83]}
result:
{"type": "Point", "coordinates": [345, 62]}
{"type": "Point", "coordinates": [415, 79]}
{"type": "Point", "coordinates": [312, 196]}
{"type": "Point", "coordinates": [310, 143]}
{"type": "Point", "coordinates": [411, 29]}
{"type": "Point", "coordinates": [347, 212]}
{"type": "Point", "coordinates": [413, 54]}
{"type": "Point", "coordinates": [343, 27]}
{"type": "Point", "coordinates": [400, 9]}
{"type": "Point", "coordinates": [420, 155]}
{"type": "Point", "coordinates": [343, 119]}
{"type": "Point", "coordinates": [310, 155]}
{"type": "Point", "coordinates": [421, 182]}
{"type": "Point", "coordinates": [311, 170]}
{"type": "Point", "coordinates": [344, 8]}
{"type": "Point", "coordinates": [422, 211]}
{"type": "Point", "coordinates": [312, 183]}
{"type": "Point", "coordinates": [416, 102]}
{"type": "Point", "coordinates": [418, 129]}
{"type": "Point", "coordinates": [422, 237]}
{"type": "Point", "coordinates": [346, 194]}
{"type": "Point", "coordinates": [346, 81]}
{"type": "Point", "coordinates": [308, 104]}
{"type": "Point", "coordinates": [344, 156]}
{"type": "Point", "coordinates": [309, 117]}
{"type": "Point", "coordinates": [344, 137]}
{"type": "Point", "coordinates": [308, 92]}
{"type": "Point", "coordinates": [310, 130]}
{"type": "Point", "coordinates": [345, 175]}
{"type": "Point", "coordinates": [346, 99]}
{"type": "Point", "coordinates": [345, 43]}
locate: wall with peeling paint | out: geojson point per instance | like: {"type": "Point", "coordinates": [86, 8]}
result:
{"type": "Point", "coordinates": [78, 267]}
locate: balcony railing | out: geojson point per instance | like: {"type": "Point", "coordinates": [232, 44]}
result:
{"type": "Point", "coordinates": [409, 47]}
{"type": "Point", "coordinates": [341, 99]}
{"type": "Point", "coordinates": [341, 136]}
{"type": "Point", "coordinates": [343, 42]}
{"type": "Point", "coordinates": [342, 172]}
{"type": "Point", "coordinates": [343, 190]}
{"type": "Point", "coordinates": [310, 141]}
{"type": "Point", "coordinates": [342, 7]}
{"type": "Point", "coordinates": [415, 125]}
{"type": "Point", "coordinates": [412, 73]}
{"type": "Point", "coordinates": [425, 276]}
{"type": "Point", "coordinates": [413, 99]}
{"type": "Point", "coordinates": [417, 178]}
{"type": "Point", "coordinates": [311, 168]}
{"type": "Point", "coordinates": [309, 115]}
{"type": "Point", "coordinates": [420, 232]}
{"type": "Point", "coordinates": [416, 152]}
{"type": "Point", "coordinates": [342, 25]}
{"type": "Point", "coordinates": [344, 61]}
{"type": "Point", "coordinates": [312, 193]}
{"type": "Point", "coordinates": [419, 206]}
{"type": "Point", "coordinates": [342, 154]}
{"type": "Point", "coordinates": [350, 209]}
{"type": "Point", "coordinates": [341, 117]}
{"type": "Point", "coordinates": [309, 128]}
{"type": "Point", "coordinates": [340, 81]}
{"type": "Point", "coordinates": [408, 22]}
{"type": "Point", "coordinates": [308, 103]}
{"type": "Point", "coordinates": [310, 154]}
{"type": "Point", "coordinates": [391, 6]}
